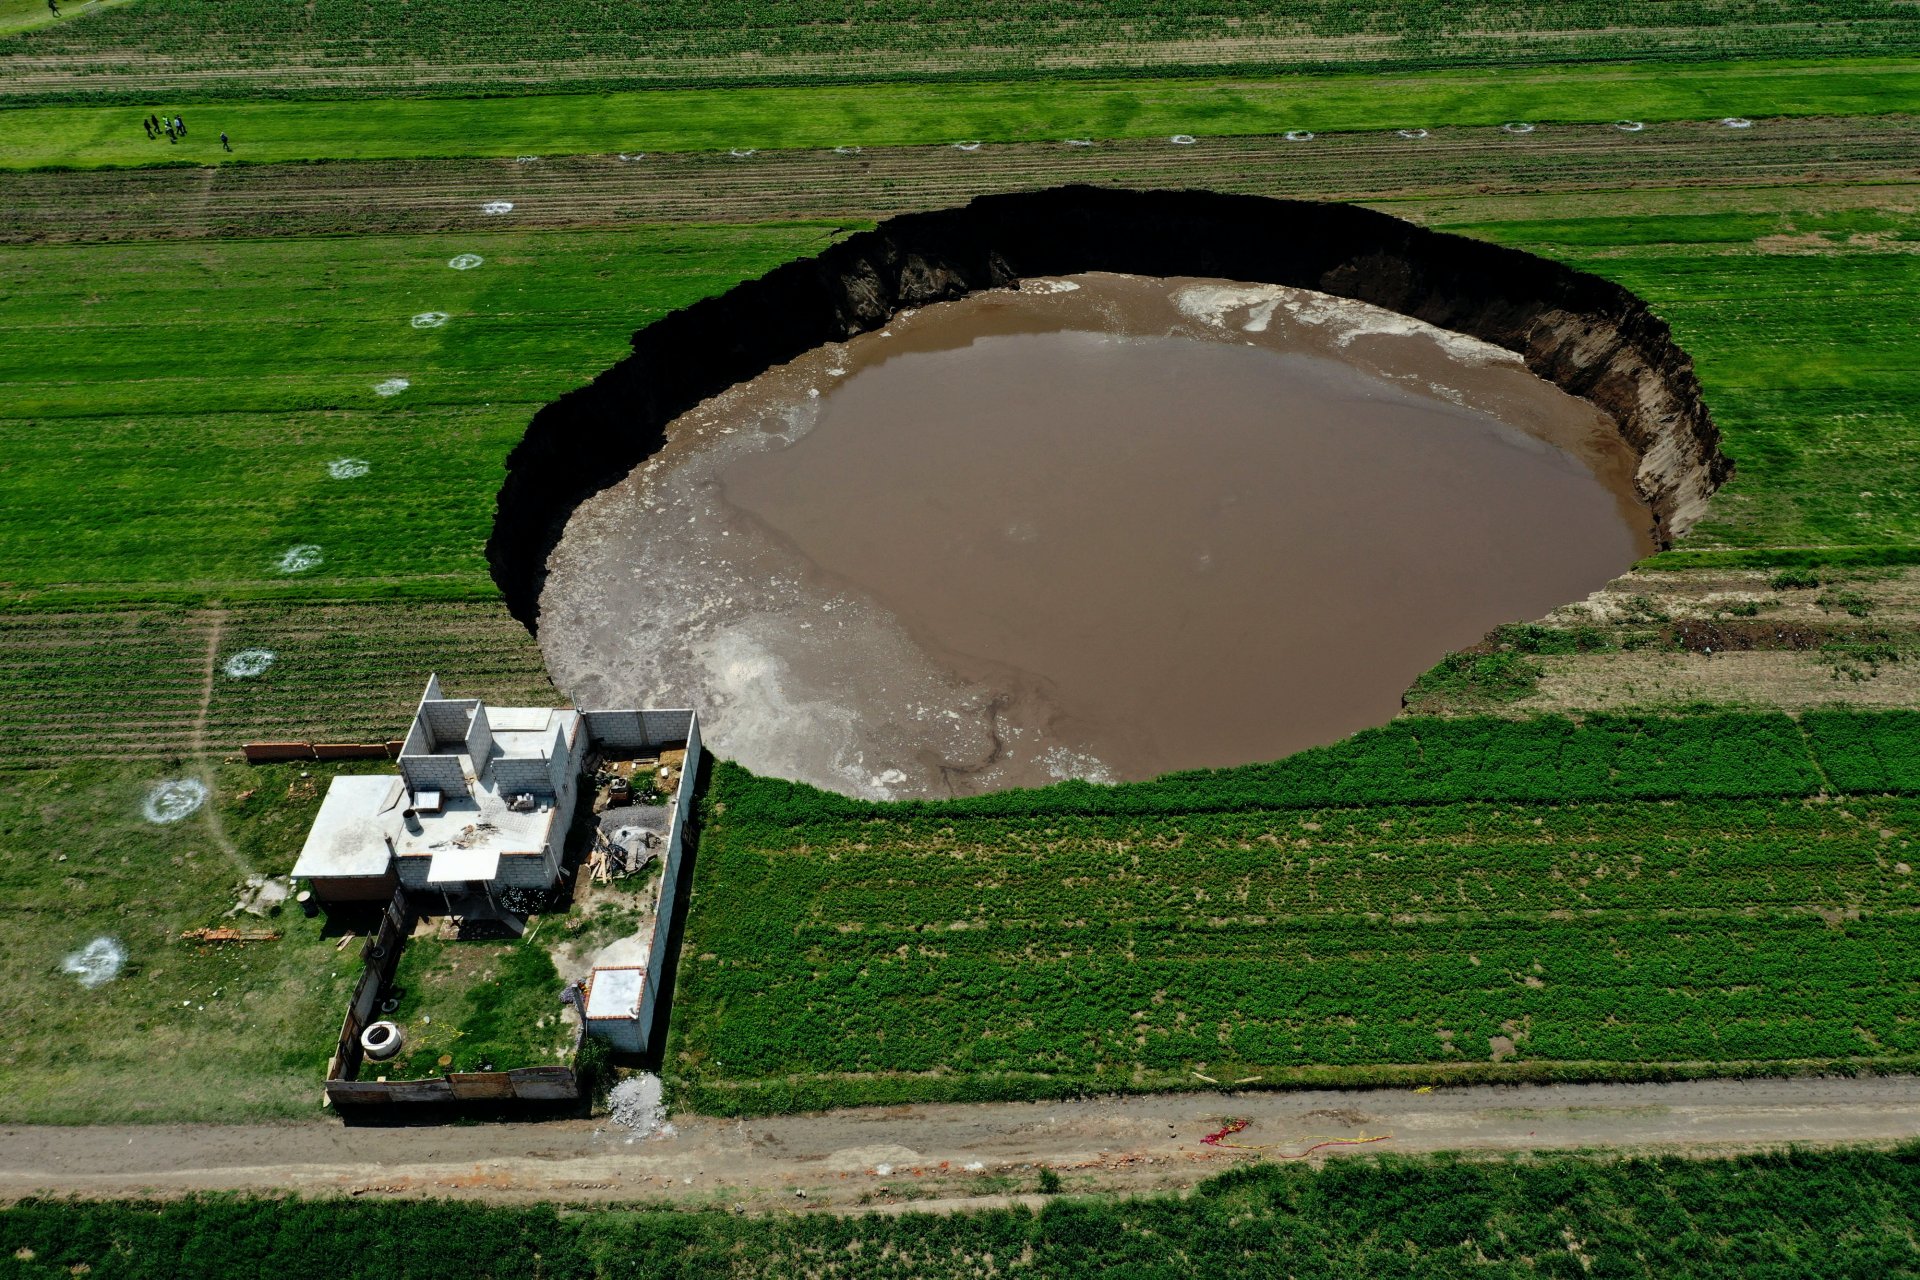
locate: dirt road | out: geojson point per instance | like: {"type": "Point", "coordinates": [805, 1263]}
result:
{"type": "Point", "coordinates": [1453, 166]}
{"type": "Point", "coordinates": [939, 1156]}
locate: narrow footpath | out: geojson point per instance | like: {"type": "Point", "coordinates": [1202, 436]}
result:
{"type": "Point", "coordinates": [941, 1157]}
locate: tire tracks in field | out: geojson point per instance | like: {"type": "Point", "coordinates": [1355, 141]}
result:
{"type": "Point", "coordinates": [419, 196]}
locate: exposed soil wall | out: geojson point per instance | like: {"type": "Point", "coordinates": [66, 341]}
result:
{"type": "Point", "coordinates": [1590, 337]}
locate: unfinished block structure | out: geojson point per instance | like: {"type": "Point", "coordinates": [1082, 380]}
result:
{"type": "Point", "coordinates": [481, 807]}
{"type": "Point", "coordinates": [483, 803]}
{"type": "Point", "coordinates": [622, 1002]}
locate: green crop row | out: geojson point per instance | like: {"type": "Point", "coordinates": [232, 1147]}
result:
{"type": "Point", "coordinates": [224, 44]}
{"type": "Point", "coordinates": [1343, 911]}
{"type": "Point", "coordinates": [1829, 1213]}
{"type": "Point", "coordinates": [1412, 760]}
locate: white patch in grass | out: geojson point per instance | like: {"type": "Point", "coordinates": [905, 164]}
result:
{"type": "Point", "coordinates": [966, 146]}
{"type": "Point", "coordinates": [97, 963]}
{"type": "Point", "coordinates": [391, 387]}
{"type": "Point", "coordinates": [526, 159]}
{"type": "Point", "coordinates": [631, 156]}
{"type": "Point", "coordinates": [741, 153]}
{"type": "Point", "coordinates": [1629, 126]}
{"type": "Point", "coordinates": [846, 151]}
{"type": "Point", "coordinates": [348, 468]}
{"type": "Point", "coordinates": [1183, 139]}
{"type": "Point", "coordinates": [497, 206]}
{"type": "Point", "coordinates": [429, 319]}
{"type": "Point", "coordinates": [300, 558]}
{"type": "Point", "coordinates": [1736, 122]}
{"type": "Point", "coordinates": [1516, 126]}
{"type": "Point", "coordinates": [1079, 142]}
{"type": "Point", "coordinates": [173, 800]}
{"type": "Point", "coordinates": [465, 261]}
{"type": "Point", "coordinates": [247, 664]}
{"type": "Point", "coordinates": [1299, 135]}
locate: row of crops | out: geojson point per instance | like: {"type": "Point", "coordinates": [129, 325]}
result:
{"type": "Point", "coordinates": [1833, 1213]}
{"type": "Point", "coordinates": [1307, 920]}
{"type": "Point", "coordinates": [316, 48]}
{"type": "Point", "coordinates": [133, 682]}
{"type": "Point", "coordinates": [1431, 760]}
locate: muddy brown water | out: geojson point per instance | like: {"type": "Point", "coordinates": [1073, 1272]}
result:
{"type": "Point", "coordinates": [1102, 527]}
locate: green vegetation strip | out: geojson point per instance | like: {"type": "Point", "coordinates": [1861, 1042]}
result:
{"type": "Point", "coordinates": [903, 114]}
{"type": "Point", "coordinates": [342, 47]}
{"type": "Point", "coordinates": [1620, 899]}
{"type": "Point", "coordinates": [1833, 1213]}
{"type": "Point", "coordinates": [174, 412]}
{"type": "Point", "coordinates": [186, 1030]}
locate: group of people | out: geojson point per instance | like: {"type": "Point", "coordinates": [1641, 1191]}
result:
{"type": "Point", "coordinates": [174, 129]}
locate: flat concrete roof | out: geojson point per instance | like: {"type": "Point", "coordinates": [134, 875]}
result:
{"type": "Point", "coordinates": [527, 732]}
{"type": "Point", "coordinates": [481, 823]}
{"type": "Point", "coordinates": [349, 836]}
{"type": "Point", "coordinates": [615, 993]}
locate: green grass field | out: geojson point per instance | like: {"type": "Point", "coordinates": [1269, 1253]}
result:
{"type": "Point", "coordinates": [187, 1030]}
{"type": "Point", "coordinates": [669, 120]}
{"type": "Point", "coordinates": [173, 409]}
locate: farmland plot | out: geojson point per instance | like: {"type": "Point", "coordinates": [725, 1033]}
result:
{"type": "Point", "coordinates": [936, 953]}
{"type": "Point", "coordinates": [181, 418]}
{"type": "Point", "coordinates": [447, 46]}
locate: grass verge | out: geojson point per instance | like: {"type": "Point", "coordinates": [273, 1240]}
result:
{"type": "Point", "coordinates": [874, 115]}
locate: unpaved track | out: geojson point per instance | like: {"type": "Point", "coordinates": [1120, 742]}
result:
{"type": "Point", "coordinates": [427, 195]}
{"type": "Point", "coordinates": [1116, 1144]}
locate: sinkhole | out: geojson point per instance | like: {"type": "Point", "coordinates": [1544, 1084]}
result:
{"type": "Point", "coordinates": [1005, 526]}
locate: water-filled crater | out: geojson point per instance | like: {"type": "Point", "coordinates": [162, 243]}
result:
{"type": "Point", "coordinates": [1096, 524]}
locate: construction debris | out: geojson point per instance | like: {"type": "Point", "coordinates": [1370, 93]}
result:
{"type": "Point", "coordinates": [636, 1106]}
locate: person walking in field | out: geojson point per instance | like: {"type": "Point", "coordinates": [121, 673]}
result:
{"type": "Point", "coordinates": [55, 6]}
{"type": "Point", "coordinates": [224, 144]}
{"type": "Point", "coordinates": [148, 126]}
{"type": "Point", "coordinates": [180, 126]}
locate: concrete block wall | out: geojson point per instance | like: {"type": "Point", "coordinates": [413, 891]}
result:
{"type": "Point", "coordinates": [512, 775]}
{"type": "Point", "coordinates": [434, 773]}
{"type": "Point", "coordinates": [417, 742]}
{"type": "Point", "coordinates": [527, 870]}
{"type": "Point", "coordinates": [683, 798]}
{"type": "Point", "coordinates": [636, 730]}
{"type": "Point", "coordinates": [626, 1035]}
{"type": "Point", "coordinates": [479, 738]}
{"type": "Point", "coordinates": [564, 758]}
{"type": "Point", "coordinates": [447, 720]}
